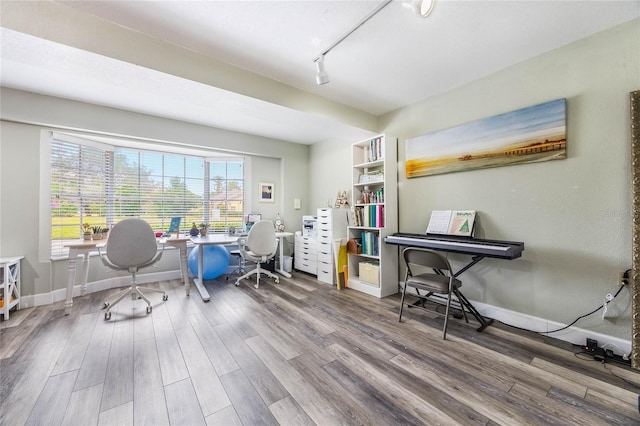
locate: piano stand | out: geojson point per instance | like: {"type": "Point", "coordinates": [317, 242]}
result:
{"type": "Point", "coordinates": [462, 300]}
{"type": "Point", "coordinates": [476, 247]}
{"type": "Point", "coordinates": [484, 322]}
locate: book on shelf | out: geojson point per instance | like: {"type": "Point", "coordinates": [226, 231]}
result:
{"type": "Point", "coordinates": [370, 243]}
{"type": "Point", "coordinates": [373, 151]}
{"type": "Point", "coordinates": [371, 216]}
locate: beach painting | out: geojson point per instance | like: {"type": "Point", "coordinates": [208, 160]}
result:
{"type": "Point", "coordinates": [528, 135]}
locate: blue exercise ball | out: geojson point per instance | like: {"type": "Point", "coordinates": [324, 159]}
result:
{"type": "Point", "coordinates": [215, 260]}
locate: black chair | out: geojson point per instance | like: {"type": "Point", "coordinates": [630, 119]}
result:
{"type": "Point", "coordinates": [439, 281]}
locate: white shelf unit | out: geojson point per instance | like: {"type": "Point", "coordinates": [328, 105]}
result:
{"type": "Point", "coordinates": [374, 195]}
{"type": "Point", "coordinates": [332, 226]}
{"type": "Point", "coordinates": [10, 284]}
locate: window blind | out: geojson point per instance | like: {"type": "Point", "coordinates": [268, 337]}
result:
{"type": "Point", "coordinates": [78, 191]}
{"type": "Point", "coordinates": [100, 185]}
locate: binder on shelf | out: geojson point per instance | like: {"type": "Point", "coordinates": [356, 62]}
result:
{"type": "Point", "coordinates": [379, 216]}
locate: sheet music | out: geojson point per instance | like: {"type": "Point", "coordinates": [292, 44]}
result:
{"type": "Point", "coordinates": [462, 222]}
{"type": "Point", "coordinates": [451, 222]}
{"type": "Point", "coordinates": [439, 222]}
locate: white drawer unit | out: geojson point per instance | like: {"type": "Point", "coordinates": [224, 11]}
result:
{"type": "Point", "coordinates": [305, 258]}
{"type": "Point", "coordinates": [331, 226]}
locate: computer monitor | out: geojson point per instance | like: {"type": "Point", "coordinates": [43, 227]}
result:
{"type": "Point", "coordinates": [251, 219]}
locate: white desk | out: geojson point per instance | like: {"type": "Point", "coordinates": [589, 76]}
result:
{"type": "Point", "coordinates": [281, 236]}
{"type": "Point", "coordinates": [181, 244]}
{"type": "Point", "coordinates": [227, 239]}
{"type": "Point", "coordinates": [200, 242]}
{"type": "Point", "coordinates": [84, 248]}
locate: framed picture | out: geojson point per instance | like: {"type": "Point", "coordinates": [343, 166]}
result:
{"type": "Point", "coordinates": [532, 134]}
{"type": "Point", "coordinates": [267, 192]}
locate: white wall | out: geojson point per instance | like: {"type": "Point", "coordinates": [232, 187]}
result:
{"type": "Point", "coordinates": [573, 215]}
{"type": "Point", "coordinates": [24, 116]}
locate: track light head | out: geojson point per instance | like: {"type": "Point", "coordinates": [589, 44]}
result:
{"type": "Point", "coordinates": [420, 7]}
{"type": "Point", "coordinates": [322, 77]}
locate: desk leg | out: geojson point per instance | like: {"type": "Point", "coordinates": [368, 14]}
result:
{"type": "Point", "coordinates": [281, 270]}
{"type": "Point", "coordinates": [85, 276]}
{"type": "Point", "coordinates": [73, 257]}
{"type": "Point", "coordinates": [184, 266]}
{"type": "Point", "coordinates": [199, 281]}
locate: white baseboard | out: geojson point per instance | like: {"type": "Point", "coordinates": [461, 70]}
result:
{"type": "Point", "coordinates": [575, 335]}
{"type": "Point", "coordinates": [92, 287]}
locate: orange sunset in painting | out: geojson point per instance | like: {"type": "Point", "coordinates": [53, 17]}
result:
{"type": "Point", "coordinates": [528, 135]}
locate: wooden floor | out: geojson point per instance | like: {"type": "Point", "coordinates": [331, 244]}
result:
{"type": "Point", "coordinates": [295, 353]}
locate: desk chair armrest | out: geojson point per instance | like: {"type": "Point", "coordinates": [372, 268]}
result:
{"type": "Point", "coordinates": [157, 257]}
{"type": "Point", "coordinates": [105, 260]}
{"type": "Point", "coordinates": [242, 246]}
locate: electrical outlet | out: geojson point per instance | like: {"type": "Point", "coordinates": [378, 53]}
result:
{"type": "Point", "coordinates": [623, 278]}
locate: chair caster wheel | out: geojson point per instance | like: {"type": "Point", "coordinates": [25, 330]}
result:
{"type": "Point", "coordinates": [256, 286]}
{"type": "Point", "coordinates": [277, 280]}
{"type": "Point", "coordinates": [148, 309]}
{"type": "Point", "coordinates": [165, 297]}
{"type": "Point", "coordinates": [107, 316]}
{"type": "Point", "coordinates": [105, 305]}
{"type": "Point", "coordinates": [237, 283]}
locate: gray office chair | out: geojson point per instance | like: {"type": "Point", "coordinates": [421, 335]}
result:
{"type": "Point", "coordinates": [259, 246]}
{"type": "Point", "coordinates": [131, 246]}
{"type": "Point", "coordinates": [439, 281]}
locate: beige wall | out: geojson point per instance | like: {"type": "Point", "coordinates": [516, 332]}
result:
{"type": "Point", "coordinates": [573, 215]}
{"type": "Point", "coordinates": [26, 115]}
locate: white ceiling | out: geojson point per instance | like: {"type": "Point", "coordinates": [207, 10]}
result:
{"type": "Point", "coordinates": [393, 60]}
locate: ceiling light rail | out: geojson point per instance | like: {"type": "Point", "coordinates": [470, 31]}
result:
{"type": "Point", "coordinates": [421, 7]}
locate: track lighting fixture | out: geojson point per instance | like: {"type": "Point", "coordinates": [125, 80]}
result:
{"type": "Point", "coordinates": [421, 7]}
{"type": "Point", "coordinates": [322, 77]}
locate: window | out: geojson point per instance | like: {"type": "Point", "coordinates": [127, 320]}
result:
{"type": "Point", "coordinates": [100, 185]}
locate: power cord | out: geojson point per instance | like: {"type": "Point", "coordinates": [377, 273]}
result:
{"type": "Point", "coordinates": [585, 315]}
{"type": "Point", "coordinates": [574, 321]}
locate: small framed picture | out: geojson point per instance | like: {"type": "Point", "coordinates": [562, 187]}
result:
{"type": "Point", "coordinates": [267, 192]}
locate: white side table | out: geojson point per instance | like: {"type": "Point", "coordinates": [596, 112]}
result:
{"type": "Point", "coordinates": [10, 284]}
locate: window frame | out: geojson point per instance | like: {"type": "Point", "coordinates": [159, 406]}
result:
{"type": "Point", "coordinates": [47, 143]}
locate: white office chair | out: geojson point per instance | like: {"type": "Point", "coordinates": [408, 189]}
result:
{"type": "Point", "coordinates": [131, 246]}
{"type": "Point", "coordinates": [259, 246]}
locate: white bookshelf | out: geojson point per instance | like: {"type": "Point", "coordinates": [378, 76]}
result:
{"type": "Point", "coordinates": [374, 194]}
